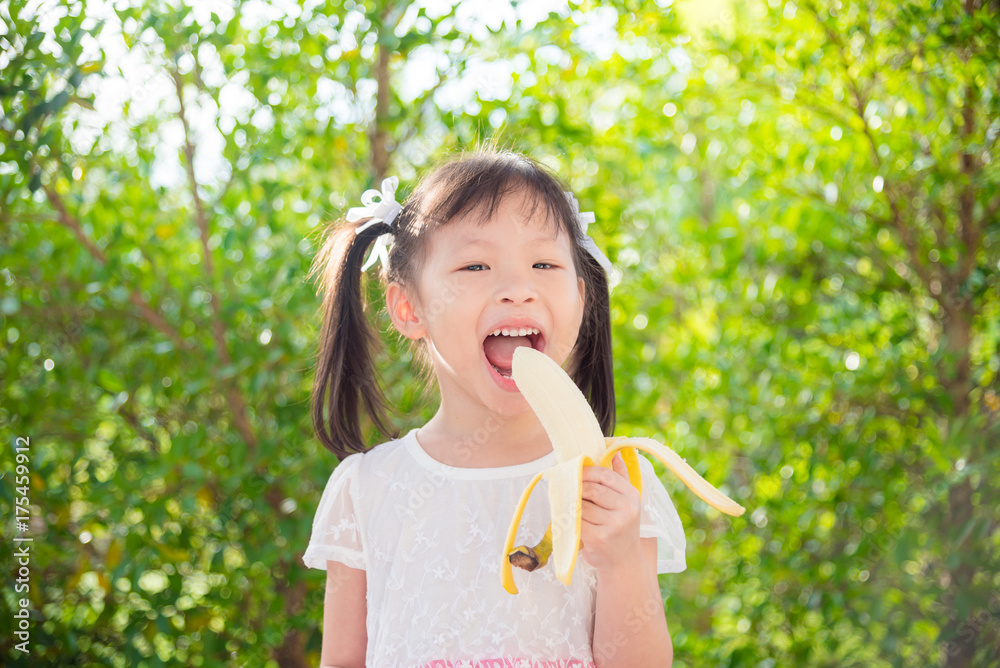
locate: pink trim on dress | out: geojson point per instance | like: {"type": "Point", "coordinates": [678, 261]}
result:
{"type": "Point", "coordinates": [510, 663]}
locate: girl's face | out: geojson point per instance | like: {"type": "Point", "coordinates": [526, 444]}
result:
{"type": "Point", "coordinates": [514, 273]}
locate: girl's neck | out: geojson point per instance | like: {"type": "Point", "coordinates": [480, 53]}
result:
{"type": "Point", "coordinates": [484, 440]}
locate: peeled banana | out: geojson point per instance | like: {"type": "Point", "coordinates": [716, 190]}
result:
{"type": "Point", "coordinates": [578, 441]}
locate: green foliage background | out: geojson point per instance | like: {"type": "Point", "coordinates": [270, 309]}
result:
{"type": "Point", "coordinates": [803, 202]}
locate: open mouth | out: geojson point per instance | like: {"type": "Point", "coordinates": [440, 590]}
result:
{"type": "Point", "coordinates": [499, 346]}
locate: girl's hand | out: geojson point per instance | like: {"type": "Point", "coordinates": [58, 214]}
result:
{"type": "Point", "coordinates": [611, 511]}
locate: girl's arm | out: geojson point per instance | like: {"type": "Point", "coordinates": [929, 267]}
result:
{"type": "Point", "coordinates": [630, 628]}
{"type": "Point", "coordinates": [345, 634]}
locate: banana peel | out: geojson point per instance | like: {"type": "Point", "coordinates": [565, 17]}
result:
{"type": "Point", "coordinates": [578, 441]}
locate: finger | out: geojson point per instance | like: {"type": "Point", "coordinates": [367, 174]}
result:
{"type": "Point", "coordinates": [603, 476]}
{"type": "Point", "coordinates": [618, 464]}
{"type": "Point", "coordinates": [600, 474]}
{"type": "Point", "coordinates": [594, 514]}
{"type": "Point", "coordinates": [601, 496]}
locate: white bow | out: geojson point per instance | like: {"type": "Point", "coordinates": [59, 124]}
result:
{"type": "Point", "coordinates": [583, 220]}
{"type": "Point", "coordinates": [383, 210]}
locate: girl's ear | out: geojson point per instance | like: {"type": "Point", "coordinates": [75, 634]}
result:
{"type": "Point", "coordinates": [403, 311]}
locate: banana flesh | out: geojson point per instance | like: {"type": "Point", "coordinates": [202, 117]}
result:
{"type": "Point", "coordinates": [559, 404]}
{"type": "Point", "coordinates": [578, 441]}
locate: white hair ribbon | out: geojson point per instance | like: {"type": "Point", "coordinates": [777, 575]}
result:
{"type": "Point", "coordinates": [583, 219]}
{"type": "Point", "coordinates": [383, 210]}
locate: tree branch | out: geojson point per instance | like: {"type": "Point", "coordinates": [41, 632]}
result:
{"type": "Point", "coordinates": [889, 188]}
{"type": "Point", "coordinates": [151, 315]}
{"type": "Point", "coordinates": [69, 221]}
{"type": "Point", "coordinates": [239, 408]}
{"type": "Point", "coordinates": [129, 415]}
{"type": "Point", "coordinates": [906, 235]}
{"type": "Point", "coordinates": [968, 231]}
{"type": "Point", "coordinates": [379, 134]}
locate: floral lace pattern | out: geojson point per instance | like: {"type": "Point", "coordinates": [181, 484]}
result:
{"type": "Point", "coordinates": [430, 539]}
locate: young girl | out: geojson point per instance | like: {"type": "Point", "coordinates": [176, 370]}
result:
{"type": "Point", "coordinates": [489, 253]}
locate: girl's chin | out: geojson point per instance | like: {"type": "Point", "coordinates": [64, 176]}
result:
{"type": "Point", "coordinates": [511, 408]}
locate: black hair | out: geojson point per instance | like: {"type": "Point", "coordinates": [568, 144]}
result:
{"type": "Point", "coordinates": [346, 377]}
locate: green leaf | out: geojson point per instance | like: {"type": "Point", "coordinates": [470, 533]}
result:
{"type": "Point", "coordinates": [109, 382]}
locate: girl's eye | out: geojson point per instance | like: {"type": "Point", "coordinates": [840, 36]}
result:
{"type": "Point", "coordinates": [543, 265]}
{"type": "Point", "coordinates": [475, 267]}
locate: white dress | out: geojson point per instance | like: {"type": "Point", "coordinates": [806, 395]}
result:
{"type": "Point", "coordinates": [430, 538]}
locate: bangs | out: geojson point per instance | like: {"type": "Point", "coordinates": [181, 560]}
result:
{"type": "Point", "coordinates": [477, 186]}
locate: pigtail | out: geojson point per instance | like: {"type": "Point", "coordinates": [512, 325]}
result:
{"type": "Point", "coordinates": [593, 368]}
{"type": "Point", "coordinates": [346, 377]}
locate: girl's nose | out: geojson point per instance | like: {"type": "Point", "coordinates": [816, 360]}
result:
{"type": "Point", "coordinates": [516, 288]}
{"type": "Point", "coordinates": [518, 298]}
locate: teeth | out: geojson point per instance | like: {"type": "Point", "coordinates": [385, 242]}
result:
{"type": "Point", "coordinates": [578, 441]}
{"type": "Point", "coordinates": [524, 331]}
{"type": "Point", "coordinates": [501, 373]}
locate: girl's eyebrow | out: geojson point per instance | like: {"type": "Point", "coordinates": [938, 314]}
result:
{"type": "Point", "coordinates": [483, 241]}
{"type": "Point", "coordinates": [467, 241]}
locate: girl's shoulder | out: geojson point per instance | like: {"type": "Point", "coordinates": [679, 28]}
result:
{"type": "Point", "coordinates": [382, 457]}
{"type": "Point", "coordinates": [363, 472]}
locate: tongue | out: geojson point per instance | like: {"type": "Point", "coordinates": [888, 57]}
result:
{"type": "Point", "coordinates": [500, 350]}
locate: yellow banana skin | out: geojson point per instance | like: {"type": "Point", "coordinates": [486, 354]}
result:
{"type": "Point", "coordinates": [530, 558]}
{"type": "Point", "coordinates": [506, 574]}
{"type": "Point", "coordinates": [578, 441]}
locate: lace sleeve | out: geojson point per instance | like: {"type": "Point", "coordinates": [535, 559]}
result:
{"type": "Point", "coordinates": [336, 533]}
{"type": "Point", "coordinates": [660, 520]}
